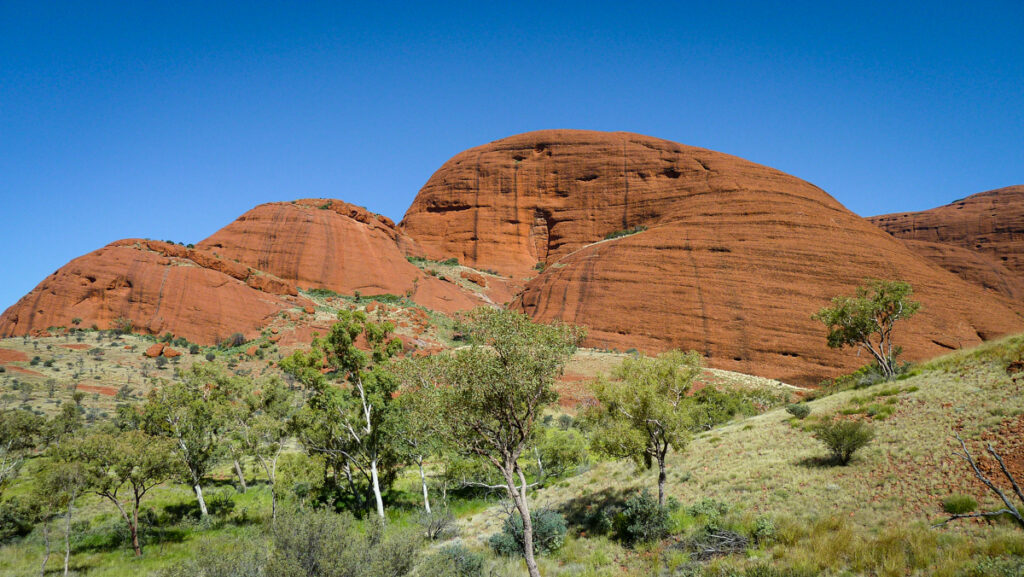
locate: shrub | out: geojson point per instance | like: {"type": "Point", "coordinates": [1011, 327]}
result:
{"type": "Point", "coordinates": [220, 503]}
{"type": "Point", "coordinates": [844, 438]}
{"type": "Point", "coordinates": [438, 525]}
{"type": "Point", "coordinates": [625, 232]}
{"type": "Point", "coordinates": [548, 533]}
{"type": "Point", "coordinates": [193, 350]}
{"type": "Point", "coordinates": [454, 560]}
{"type": "Point", "coordinates": [763, 530]}
{"type": "Point", "coordinates": [642, 520]}
{"type": "Point", "coordinates": [799, 410]}
{"type": "Point", "coordinates": [959, 504]}
{"type": "Point", "coordinates": [709, 511]}
{"type": "Point", "coordinates": [235, 340]}
{"type": "Point", "coordinates": [451, 262]}
{"type": "Point", "coordinates": [210, 356]}
{"type": "Point", "coordinates": [320, 543]}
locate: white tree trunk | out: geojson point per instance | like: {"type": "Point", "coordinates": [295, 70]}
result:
{"type": "Point", "coordinates": [202, 502]}
{"type": "Point", "coordinates": [423, 481]}
{"type": "Point", "coordinates": [376, 488]}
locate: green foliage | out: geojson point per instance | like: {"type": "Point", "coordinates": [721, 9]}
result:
{"type": "Point", "coordinates": [708, 512]}
{"type": "Point", "coordinates": [625, 232]}
{"type": "Point", "coordinates": [20, 432]}
{"type": "Point", "coordinates": [322, 544]}
{"type": "Point", "coordinates": [453, 560]}
{"type": "Point", "coordinates": [349, 424]}
{"type": "Point", "coordinates": [451, 261]}
{"type": "Point", "coordinates": [843, 438]}
{"type": "Point", "coordinates": [647, 410]}
{"type": "Point", "coordinates": [959, 504]}
{"type": "Point", "coordinates": [560, 450]}
{"type": "Point", "coordinates": [322, 293]}
{"type": "Point", "coordinates": [867, 319]}
{"type": "Point", "coordinates": [17, 517]}
{"type": "Point", "coordinates": [548, 533]}
{"type": "Point", "coordinates": [799, 410]}
{"type": "Point", "coordinates": [642, 520]}
{"type": "Point", "coordinates": [223, 557]}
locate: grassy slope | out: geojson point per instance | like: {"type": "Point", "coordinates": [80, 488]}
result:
{"type": "Point", "coordinates": [762, 465]}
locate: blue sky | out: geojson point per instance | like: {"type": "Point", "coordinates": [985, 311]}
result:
{"type": "Point", "coordinates": [133, 120]}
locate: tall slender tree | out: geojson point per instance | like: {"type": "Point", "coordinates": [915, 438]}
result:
{"type": "Point", "coordinates": [353, 388]}
{"type": "Point", "coordinates": [491, 395]}
{"type": "Point", "coordinates": [644, 411]}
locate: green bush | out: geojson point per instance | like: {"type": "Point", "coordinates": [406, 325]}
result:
{"type": "Point", "coordinates": [959, 504]}
{"type": "Point", "coordinates": [193, 350]}
{"type": "Point", "coordinates": [548, 533]}
{"type": "Point", "coordinates": [709, 512]}
{"type": "Point", "coordinates": [625, 232]}
{"type": "Point", "coordinates": [799, 410]}
{"type": "Point", "coordinates": [210, 356]}
{"type": "Point", "coordinates": [453, 560]}
{"type": "Point", "coordinates": [642, 520]}
{"type": "Point", "coordinates": [324, 544]}
{"type": "Point", "coordinates": [844, 438]}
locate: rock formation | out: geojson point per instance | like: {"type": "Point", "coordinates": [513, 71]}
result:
{"type": "Point", "coordinates": [980, 238]}
{"type": "Point", "coordinates": [731, 258]}
{"type": "Point", "coordinates": [155, 285]}
{"type": "Point", "coordinates": [329, 244]}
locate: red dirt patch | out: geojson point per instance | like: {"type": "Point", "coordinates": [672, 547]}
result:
{"type": "Point", "coordinates": [9, 356]}
{"type": "Point", "coordinates": [14, 369]}
{"type": "Point", "coordinates": [77, 346]}
{"type": "Point", "coordinates": [1008, 441]}
{"type": "Point", "coordinates": [98, 389]}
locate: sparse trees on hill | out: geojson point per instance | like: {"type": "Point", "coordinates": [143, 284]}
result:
{"type": "Point", "coordinates": [491, 394]}
{"type": "Point", "coordinates": [867, 320]}
{"type": "Point", "coordinates": [645, 411]}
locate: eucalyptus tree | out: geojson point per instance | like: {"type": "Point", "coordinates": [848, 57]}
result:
{"type": "Point", "coordinates": [122, 467]}
{"type": "Point", "coordinates": [644, 411]}
{"type": "Point", "coordinates": [353, 393]}
{"type": "Point", "coordinates": [20, 431]}
{"type": "Point", "coordinates": [490, 395]}
{"type": "Point", "coordinates": [867, 320]}
{"type": "Point", "coordinates": [187, 413]}
{"type": "Point", "coordinates": [257, 416]}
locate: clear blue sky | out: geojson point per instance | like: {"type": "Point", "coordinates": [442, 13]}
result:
{"type": "Point", "coordinates": [128, 120]}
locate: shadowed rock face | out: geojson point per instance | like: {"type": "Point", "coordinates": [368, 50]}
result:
{"type": "Point", "coordinates": [158, 286]}
{"type": "Point", "coordinates": [980, 238]}
{"type": "Point", "coordinates": [735, 259]}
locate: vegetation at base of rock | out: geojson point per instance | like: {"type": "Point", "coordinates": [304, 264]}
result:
{"type": "Point", "coordinates": [867, 320]}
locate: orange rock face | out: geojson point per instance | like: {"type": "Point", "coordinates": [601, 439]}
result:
{"type": "Point", "coordinates": [732, 258]}
{"type": "Point", "coordinates": [157, 291]}
{"type": "Point", "coordinates": [980, 238]}
{"type": "Point", "coordinates": [330, 244]}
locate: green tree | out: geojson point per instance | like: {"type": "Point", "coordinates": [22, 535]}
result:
{"type": "Point", "coordinates": [187, 413]}
{"type": "Point", "coordinates": [19, 433]}
{"type": "Point", "coordinates": [357, 410]}
{"type": "Point", "coordinates": [61, 484]}
{"type": "Point", "coordinates": [645, 411]}
{"type": "Point", "coordinates": [413, 426]}
{"type": "Point", "coordinates": [867, 320]}
{"type": "Point", "coordinates": [257, 417]}
{"type": "Point", "coordinates": [122, 467]}
{"type": "Point", "coordinates": [490, 395]}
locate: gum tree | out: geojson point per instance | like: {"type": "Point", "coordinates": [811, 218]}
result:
{"type": "Point", "coordinates": [490, 395]}
{"type": "Point", "coordinates": [353, 395]}
{"type": "Point", "coordinates": [867, 319]}
{"type": "Point", "coordinates": [644, 411]}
